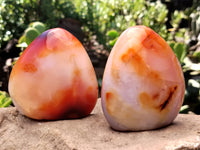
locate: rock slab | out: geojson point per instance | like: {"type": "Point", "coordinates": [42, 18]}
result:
{"type": "Point", "coordinates": [18, 132]}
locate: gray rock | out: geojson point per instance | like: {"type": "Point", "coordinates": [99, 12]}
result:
{"type": "Point", "coordinates": [18, 132]}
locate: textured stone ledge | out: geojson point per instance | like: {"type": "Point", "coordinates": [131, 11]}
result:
{"type": "Point", "coordinates": [93, 133]}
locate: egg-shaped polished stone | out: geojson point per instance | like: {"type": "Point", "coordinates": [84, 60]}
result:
{"type": "Point", "coordinates": [143, 83]}
{"type": "Point", "coordinates": [54, 78]}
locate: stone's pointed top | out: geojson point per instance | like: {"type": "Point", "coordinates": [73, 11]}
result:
{"type": "Point", "coordinates": [93, 132]}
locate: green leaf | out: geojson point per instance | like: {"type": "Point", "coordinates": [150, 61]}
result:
{"type": "Point", "coordinates": [5, 100]}
{"type": "Point", "coordinates": [21, 39]}
{"type": "Point", "coordinates": [39, 26]}
{"type": "Point", "coordinates": [171, 44]}
{"type": "Point", "coordinates": [180, 50]}
{"type": "Point", "coordinates": [197, 55]}
{"type": "Point", "coordinates": [112, 34]}
{"type": "Point", "coordinates": [112, 42]}
{"type": "Point", "coordinates": [30, 34]}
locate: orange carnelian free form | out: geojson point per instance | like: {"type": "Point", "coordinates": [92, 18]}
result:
{"type": "Point", "coordinates": [54, 78]}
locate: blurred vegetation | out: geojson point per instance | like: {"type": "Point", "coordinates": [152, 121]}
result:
{"type": "Point", "coordinates": [34, 30]}
{"type": "Point", "coordinates": [5, 100]}
{"type": "Point", "coordinates": [15, 16]}
{"type": "Point", "coordinates": [178, 23]}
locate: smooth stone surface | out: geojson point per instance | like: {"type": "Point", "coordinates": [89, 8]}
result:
{"type": "Point", "coordinates": [93, 133]}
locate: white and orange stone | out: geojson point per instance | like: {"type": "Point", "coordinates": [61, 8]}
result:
{"type": "Point", "coordinates": [143, 84]}
{"type": "Point", "coordinates": [54, 78]}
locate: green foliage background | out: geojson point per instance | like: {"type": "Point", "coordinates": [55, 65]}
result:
{"type": "Point", "coordinates": [16, 15]}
